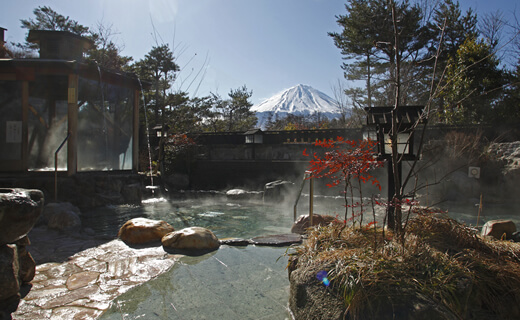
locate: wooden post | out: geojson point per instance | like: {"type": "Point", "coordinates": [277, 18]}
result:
{"type": "Point", "coordinates": [311, 200]}
{"type": "Point", "coordinates": [391, 192]}
{"type": "Point", "coordinates": [25, 126]}
{"type": "Point", "coordinates": [135, 128]}
{"type": "Point", "coordinates": [72, 146]}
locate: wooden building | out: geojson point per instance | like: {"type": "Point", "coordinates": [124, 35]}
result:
{"type": "Point", "coordinates": [61, 110]}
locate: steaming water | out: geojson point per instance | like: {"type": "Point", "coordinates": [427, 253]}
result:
{"type": "Point", "coordinates": [467, 213]}
{"type": "Point", "coordinates": [147, 132]}
{"type": "Point", "coordinates": [224, 218]}
{"type": "Point", "coordinates": [105, 131]}
{"type": "Point", "coordinates": [232, 282]}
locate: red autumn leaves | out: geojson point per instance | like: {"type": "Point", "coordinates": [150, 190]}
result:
{"type": "Point", "coordinates": [344, 160]}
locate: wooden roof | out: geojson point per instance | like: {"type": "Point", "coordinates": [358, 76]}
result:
{"type": "Point", "coordinates": [406, 116]}
{"type": "Point", "coordinates": [253, 131]}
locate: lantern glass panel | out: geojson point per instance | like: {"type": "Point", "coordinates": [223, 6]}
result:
{"type": "Point", "coordinates": [402, 143]}
{"type": "Point", "coordinates": [370, 133]}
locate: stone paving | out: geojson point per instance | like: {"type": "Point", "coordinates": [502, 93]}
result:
{"type": "Point", "coordinates": [78, 276]}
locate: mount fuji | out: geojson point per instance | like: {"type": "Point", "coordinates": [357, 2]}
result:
{"type": "Point", "coordinates": [300, 100]}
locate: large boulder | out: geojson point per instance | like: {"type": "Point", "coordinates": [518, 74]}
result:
{"type": "Point", "coordinates": [142, 230]}
{"type": "Point", "coordinates": [65, 221]}
{"type": "Point", "coordinates": [63, 216]}
{"type": "Point", "coordinates": [499, 229]}
{"type": "Point", "coordinates": [19, 211]}
{"type": "Point", "coordinates": [193, 238]}
{"type": "Point", "coordinates": [303, 222]}
{"type": "Point", "coordinates": [58, 207]}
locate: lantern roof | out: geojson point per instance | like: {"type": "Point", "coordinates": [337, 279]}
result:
{"type": "Point", "coordinates": [407, 116]}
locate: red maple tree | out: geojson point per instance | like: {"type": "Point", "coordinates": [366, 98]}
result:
{"type": "Point", "coordinates": [348, 162]}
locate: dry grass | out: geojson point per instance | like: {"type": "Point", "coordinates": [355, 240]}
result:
{"type": "Point", "coordinates": [441, 260]}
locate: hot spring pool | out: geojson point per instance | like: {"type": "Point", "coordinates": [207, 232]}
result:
{"type": "Point", "coordinates": [248, 282]}
{"type": "Point", "coordinates": [238, 219]}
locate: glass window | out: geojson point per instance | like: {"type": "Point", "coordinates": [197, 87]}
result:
{"type": "Point", "coordinates": [47, 122]}
{"type": "Point", "coordinates": [105, 132]}
{"type": "Point", "coordinates": [10, 120]}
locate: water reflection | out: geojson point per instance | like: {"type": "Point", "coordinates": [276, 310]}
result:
{"type": "Point", "coordinates": [230, 283]}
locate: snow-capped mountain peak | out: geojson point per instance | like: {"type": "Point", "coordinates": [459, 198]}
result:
{"type": "Point", "coordinates": [301, 100]}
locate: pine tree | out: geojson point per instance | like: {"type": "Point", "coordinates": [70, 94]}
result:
{"type": "Point", "coordinates": [366, 42]}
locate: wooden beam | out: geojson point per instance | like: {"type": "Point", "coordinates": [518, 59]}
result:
{"type": "Point", "coordinates": [72, 145]}
{"type": "Point", "coordinates": [135, 128]}
{"type": "Point", "coordinates": [25, 126]}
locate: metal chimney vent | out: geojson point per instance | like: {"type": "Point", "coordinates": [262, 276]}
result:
{"type": "Point", "coordinates": [60, 45]}
{"type": "Point", "coordinates": [2, 37]}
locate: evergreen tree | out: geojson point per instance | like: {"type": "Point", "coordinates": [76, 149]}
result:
{"type": "Point", "coordinates": [447, 31]}
{"type": "Point", "coordinates": [356, 42]}
{"type": "Point", "coordinates": [105, 52]}
{"type": "Point", "coordinates": [233, 114]}
{"type": "Point", "coordinates": [238, 111]}
{"type": "Point", "coordinates": [158, 67]}
{"type": "Point", "coordinates": [366, 42]}
{"type": "Point", "coordinates": [474, 84]}
{"type": "Point", "coordinates": [508, 111]}
{"type": "Point", "coordinates": [48, 19]}
{"type": "Point", "coordinates": [454, 28]}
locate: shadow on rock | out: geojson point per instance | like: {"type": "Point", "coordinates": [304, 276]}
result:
{"type": "Point", "coordinates": [190, 252]}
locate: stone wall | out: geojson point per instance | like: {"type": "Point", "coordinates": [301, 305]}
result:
{"type": "Point", "coordinates": [19, 211]}
{"type": "Point", "coordinates": [84, 190]}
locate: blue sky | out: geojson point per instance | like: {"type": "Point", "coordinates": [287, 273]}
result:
{"type": "Point", "coordinates": [267, 45]}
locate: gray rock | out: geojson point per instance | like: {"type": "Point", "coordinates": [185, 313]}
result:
{"type": "Point", "coordinates": [19, 211]}
{"type": "Point", "coordinates": [58, 207]}
{"type": "Point", "coordinates": [499, 229]}
{"type": "Point", "coordinates": [64, 221]}
{"type": "Point", "coordinates": [236, 194]}
{"type": "Point", "coordinates": [193, 238]}
{"type": "Point", "coordinates": [27, 265]}
{"type": "Point", "coordinates": [239, 194]}
{"type": "Point", "coordinates": [277, 240]}
{"type": "Point", "coordinates": [9, 270]}
{"type": "Point", "coordinates": [301, 225]}
{"type": "Point", "coordinates": [234, 242]}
